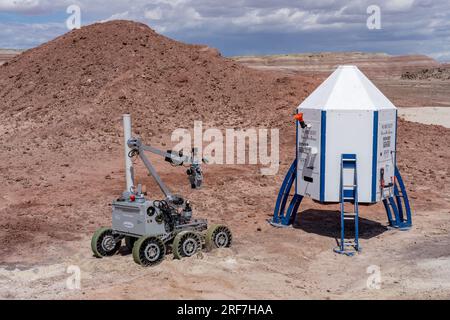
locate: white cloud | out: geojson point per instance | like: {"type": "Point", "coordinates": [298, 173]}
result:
{"type": "Point", "coordinates": [398, 5]}
{"type": "Point", "coordinates": [335, 22]}
{"type": "Point", "coordinates": [32, 6]}
{"type": "Point", "coordinates": [21, 36]}
{"type": "Point", "coordinates": [441, 55]}
{"type": "Point", "coordinates": [18, 5]}
{"type": "Point", "coordinates": [154, 14]}
{"type": "Point", "coordinates": [118, 16]}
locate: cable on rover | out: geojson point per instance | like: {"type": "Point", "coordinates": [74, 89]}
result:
{"type": "Point", "coordinates": [133, 152]}
{"type": "Point", "coordinates": [167, 211]}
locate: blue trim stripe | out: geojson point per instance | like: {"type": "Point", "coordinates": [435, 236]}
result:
{"type": "Point", "coordinates": [395, 147]}
{"type": "Point", "coordinates": [296, 153]}
{"type": "Point", "coordinates": [323, 131]}
{"type": "Point", "coordinates": [374, 155]}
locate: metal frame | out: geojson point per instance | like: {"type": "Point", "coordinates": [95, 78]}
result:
{"type": "Point", "coordinates": [154, 174]}
{"type": "Point", "coordinates": [282, 218]}
{"type": "Point", "coordinates": [349, 194]}
{"type": "Point", "coordinates": [399, 203]}
{"type": "Point", "coordinates": [136, 146]}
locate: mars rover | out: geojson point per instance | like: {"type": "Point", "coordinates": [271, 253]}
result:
{"type": "Point", "coordinates": [151, 228]}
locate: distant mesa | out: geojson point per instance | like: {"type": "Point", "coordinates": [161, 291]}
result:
{"type": "Point", "coordinates": [8, 54]}
{"type": "Point", "coordinates": [374, 64]}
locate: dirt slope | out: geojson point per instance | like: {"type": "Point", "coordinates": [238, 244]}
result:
{"type": "Point", "coordinates": [61, 106]}
{"type": "Point", "coordinates": [100, 70]}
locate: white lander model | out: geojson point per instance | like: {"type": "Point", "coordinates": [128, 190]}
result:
{"type": "Point", "coordinates": [346, 152]}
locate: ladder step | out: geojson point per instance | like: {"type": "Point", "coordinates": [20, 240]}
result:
{"type": "Point", "coordinates": [349, 193]}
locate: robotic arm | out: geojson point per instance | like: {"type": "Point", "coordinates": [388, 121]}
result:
{"type": "Point", "coordinates": [195, 174]}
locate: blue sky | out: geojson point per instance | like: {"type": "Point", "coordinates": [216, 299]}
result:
{"type": "Point", "coordinates": [239, 27]}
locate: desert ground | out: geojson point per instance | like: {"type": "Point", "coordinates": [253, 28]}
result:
{"type": "Point", "coordinates": [62, 165]}
{"type": "Point", "coordinates": [431, 115]}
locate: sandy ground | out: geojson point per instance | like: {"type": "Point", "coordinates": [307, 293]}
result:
{"type": "Point", "coordinates": [273, 263]}
{"type": "Point", "coordinates": [264, 262]}
{"type": "Point", "coordinates": [427, 115]}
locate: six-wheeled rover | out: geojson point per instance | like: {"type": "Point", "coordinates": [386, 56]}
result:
{"type": "Point", "coordinates": [152, 228]}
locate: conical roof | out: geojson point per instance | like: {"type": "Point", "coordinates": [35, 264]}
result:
{"type": "Point", "coordinates": [347, 88]}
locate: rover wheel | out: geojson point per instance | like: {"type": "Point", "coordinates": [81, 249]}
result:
{"type": "Point", "coordinates": [186, 244]}
{"type": "Point", "coordinates": [148, 251]}
{"type": "Point", "coordinates": [218, 236]}
{"type": "Point", "coordinates": [129, 242]}
{"type": "Point", "coordinates": [104, 243]}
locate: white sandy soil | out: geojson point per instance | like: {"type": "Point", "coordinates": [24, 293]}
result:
{"type": "Point", "coordinates": [427, 115]}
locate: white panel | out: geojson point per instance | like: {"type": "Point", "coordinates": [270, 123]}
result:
{"type": "Point", "coordinates": [347, 88]}
{"type": "Point", "coordinates": [348, 132]}
{"type": "Point", "coordinates": [350, 101]}
{"type": "Point", "coordinates": [386, 151]}
{"type": "Point", "coordinates": [308, 157]}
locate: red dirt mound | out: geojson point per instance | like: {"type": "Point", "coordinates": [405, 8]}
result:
{"type": "Point", "coordinates": [61, 105]}
{"type": "Point", "coordinates": [87, 78]}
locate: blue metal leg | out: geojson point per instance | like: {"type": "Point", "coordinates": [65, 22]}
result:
{"type": "Point", "coordinates": [357, 231]}
{"type": "Point", "coordinates": [399, 204]}
{"type": "Point", "coordinates": [388, 212]}
{"type": "Point", "coordinates": [281, 217]}
{"type": "Point", "coordinates": [291, 213]}
{"type": "Point", "coordinates": [283, 194]}
{"type": "Point", "coordinates": [398, 200]}
{"type": "Point", "coordinates": [405, 198]}
{"type": "Point", "coordinates": [282, 210]}
{"type": "Point", "coordinates": [395, 209]}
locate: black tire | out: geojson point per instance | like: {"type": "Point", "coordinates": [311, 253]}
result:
{"type": "Point", "coordinates": [186, 244]}
{"type": "Point", "coordinates": [218, 236]}
{"type": "Point", "coordinates": [129, 242]}
{"type": "Point", "coordinates": [149, 251]}
{"type": "Point", "coordinates": [104, 243]}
